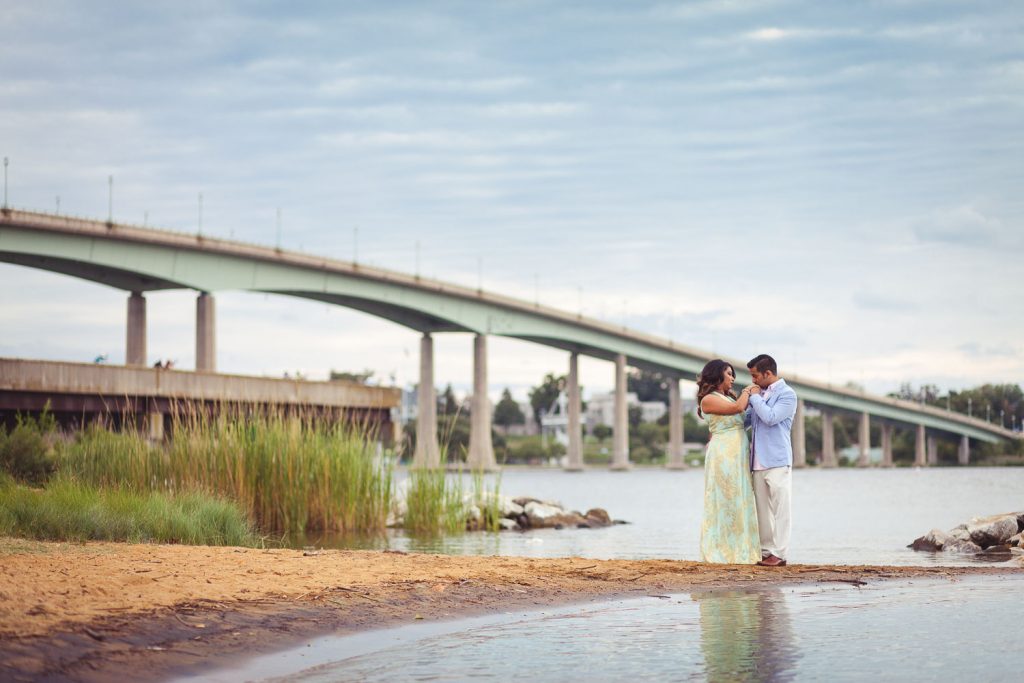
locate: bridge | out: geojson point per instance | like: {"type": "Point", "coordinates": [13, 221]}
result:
{"type": "Point", "coordinates": [138, 260]}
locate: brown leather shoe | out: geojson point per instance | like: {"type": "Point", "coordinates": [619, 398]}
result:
{"type": "Point", "coordinates": [772, 561]}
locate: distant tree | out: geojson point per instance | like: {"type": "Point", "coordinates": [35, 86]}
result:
{"type": "Point", "coordinates": [507, 412]}
{"type": "Point", "coordinates": [647, 385]}
{"type": "Point", "coordinates": [694, 429]}
{"type": "Point", "coordinates": [542, 396]}
{"type": "Point", "coordinates": [447, 403]}
{"type": "Point", "coordinates": [346, 376]}
{"type": "Point", "coordinates": [635, 416]}
{"type": "Point", "coordinates": [601, 432]}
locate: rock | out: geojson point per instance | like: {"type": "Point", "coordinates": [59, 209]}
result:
{"type": "Point", "coordinates": [542, 515]}
{"type": "Point", "coordinates": [931, 541]}
{"type": "Point", "coordinates": [474, 518]}
{"type": "Point", "coordinates": [509, 508]}
{"type": "Point", "coordinates": [962, 547]}
{"type": "Point", "coordinates": [598, 517]}
{"type": "Point", "coordinates": [522, 501]}
{"type": "Point", "coordinates": [1016, 541]}
{"type": "Point", "coordinates": [1020, 521]}
{"type": "Point", "coordinates": [989, 531]}
{"type": "Point", "coordinates": [960, 533]}
{"type": "Point", "coordinates": [508, 524]}
{"type": "Point", "coordinates": [1003, 550]}
{"type": "Point", "coordinates": [523, 521]}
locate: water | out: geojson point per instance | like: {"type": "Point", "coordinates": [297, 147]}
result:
{"type": "Point", "coordinates": [898, 630]}
{"type": "Point", "coordinates": [840, 516]}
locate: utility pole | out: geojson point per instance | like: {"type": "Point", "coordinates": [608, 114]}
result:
{"type": "Point", "coordinates": [5, 181]}
{"type": "Point", "coordinates": [110, 199]}
{"type": "Point", "coordinates": [200, 233]}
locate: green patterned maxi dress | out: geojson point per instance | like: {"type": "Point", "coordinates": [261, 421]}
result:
{"type": "Point", "coordinates": [728, 533]}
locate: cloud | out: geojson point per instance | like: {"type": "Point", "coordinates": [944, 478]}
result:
{"type": "Point", "coordinates": [963, 225]}
{"type": "Point", "coordinates": [881, 302]}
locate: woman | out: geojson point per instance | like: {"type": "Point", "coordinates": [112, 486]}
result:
{"type": "Point", "coordinates": [729, 529]}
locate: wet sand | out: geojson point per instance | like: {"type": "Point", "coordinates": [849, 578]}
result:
{"type": "Point", "coordinates": [102, 611]}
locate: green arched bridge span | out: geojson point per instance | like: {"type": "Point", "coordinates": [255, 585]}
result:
{"type": "Point", "coordinates": [137, 259]}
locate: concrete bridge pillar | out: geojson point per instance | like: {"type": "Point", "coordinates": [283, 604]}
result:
{"type": "Point", "coordinates": [933, 451]}
{"type": "Point", "coordinates": [675, 459]}
{"type": "Point", "coordinates": [481, 448]}
{"type": "Point", "coordinates": [155, 425]}
{"type": "Point", "coordinates": [574, 453]}
{"type": "Point", "coordinates": [828, 440]}
{"type": "Point", "coordinates": [864, 440]}
{"type": "Point", "coordinates": [964, 454]}
{"type": "Point", "coordinates": [799, 436]}
{"type": "Point", "coordinates": [135, 343]}
{"type": "Point", "coordinates": [206, 335]}
{"type": "Point", "coordinates": [427, 453]}
{"type": "Point", "coordinates": [620, 430]}
{"type": "Point", "coordinates": [886, 444]}
{"type": "Point", "coordinates": [920, 459]}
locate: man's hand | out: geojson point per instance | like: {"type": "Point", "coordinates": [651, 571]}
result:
{"type": "Point", "coordinates": [754, 389]}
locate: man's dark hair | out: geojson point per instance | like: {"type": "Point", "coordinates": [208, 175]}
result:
{"type": "Point", "coordinates": [763, 363]}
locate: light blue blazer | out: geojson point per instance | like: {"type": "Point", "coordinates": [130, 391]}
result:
{"type": "Point", "coordinates": [770, 422]}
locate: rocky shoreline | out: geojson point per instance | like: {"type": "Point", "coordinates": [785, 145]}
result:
{"type": "Point", "coordinates": [520, 513]}
{"type": "Point", "coordinates": [997, 536]}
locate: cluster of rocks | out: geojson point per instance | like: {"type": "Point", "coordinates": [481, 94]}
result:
{"type": "Point", "coordinates": [998, 535]}
{"type": "Point", "coordinates": [522, 513]}
{"type": "Point", "coordinates": [514, 514]}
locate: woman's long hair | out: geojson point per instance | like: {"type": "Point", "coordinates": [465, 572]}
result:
{"type": "Point", "coordinates": [710, 378]}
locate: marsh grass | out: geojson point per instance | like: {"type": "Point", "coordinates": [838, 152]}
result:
{"type": "Point", "coordinates": [488, 500]}
{"type": "Point", "coordinates": [434, 503]}
{"type": "Point", "coordinates": [291, 473]}
{"type": "Point", "coordinates": [69, 510]}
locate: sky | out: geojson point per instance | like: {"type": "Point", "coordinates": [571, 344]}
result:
{"type": "Point", "coordinates": [836, 184]}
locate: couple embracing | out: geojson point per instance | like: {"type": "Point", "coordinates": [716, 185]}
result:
{"type": "Point", "coordinates": [747, 481]}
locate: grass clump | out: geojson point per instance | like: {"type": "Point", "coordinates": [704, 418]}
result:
{"type": "Point", "coordinates": [291, 474]}
{"type": "Point", "coordinates": [434, 503]}
{"type": "Point", "coordinates": [27, 453]}
{"type": "Point", "coordinates": [69, 510]}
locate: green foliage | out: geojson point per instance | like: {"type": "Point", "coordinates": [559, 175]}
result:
{"type": "Point", "coordinates": [68, 510]}
{"type": "Point", "coordinates": [601, 432]}
{"type": "Point", "coordinates": [647, 385]}
{"type": "Point", "coordinates": [694, 429]}
{"type": "Point", "coordinates": [291, 474]}
{"type": "Point", "coordinates": [507, 412]}
{"type": "Point", "coordinates": [532, 449]}
{"type": "Point", "coordinates": [544, 395]}
{"type": "Point", "coordinates": [27, 452]}
{"type": "Point", "coordinates": [434, 502]}
{"type": "Point", "coordinates": [488, 501]}
{"type": "Point", "coordinates": [448, 404]}
{"type": "Point", "coordinates": [357, 377]}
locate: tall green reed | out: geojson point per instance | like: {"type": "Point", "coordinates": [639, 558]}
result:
{"type": "Point", "coordinates": [290, 471]}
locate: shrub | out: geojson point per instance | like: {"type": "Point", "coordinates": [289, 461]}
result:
{"type": "Point", "coordinates": [27, 452]}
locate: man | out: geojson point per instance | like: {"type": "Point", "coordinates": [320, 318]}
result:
{"type": "Point", "coordinates": [770, 417]}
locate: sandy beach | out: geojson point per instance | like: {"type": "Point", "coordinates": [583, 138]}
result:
{"type": "Point", "coordinates": [98, 611]}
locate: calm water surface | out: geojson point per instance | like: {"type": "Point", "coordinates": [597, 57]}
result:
{"type": "Point", "coordinates": [899, 630]}
{"type": "Point", "coordinates": [840, 516]}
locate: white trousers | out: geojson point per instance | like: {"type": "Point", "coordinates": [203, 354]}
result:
{"type": "Point", "coordinates": [772, 493]}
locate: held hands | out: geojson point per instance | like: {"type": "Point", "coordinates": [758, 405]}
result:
{"type": "Point", "coordinates": [752, 390]}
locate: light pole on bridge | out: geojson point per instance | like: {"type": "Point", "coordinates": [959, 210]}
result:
{"type": "Point", "coordinates": [110, 199]}
{"type": "Point", "coordinates": [1002, 419]}
{"type": "Point", "coordinates": [969, 406]}
{"type": "Point", "coordinates": [5, 181]}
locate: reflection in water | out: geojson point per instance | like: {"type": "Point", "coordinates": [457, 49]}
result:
{"type": "Point", "coordinates": [746, 636]}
